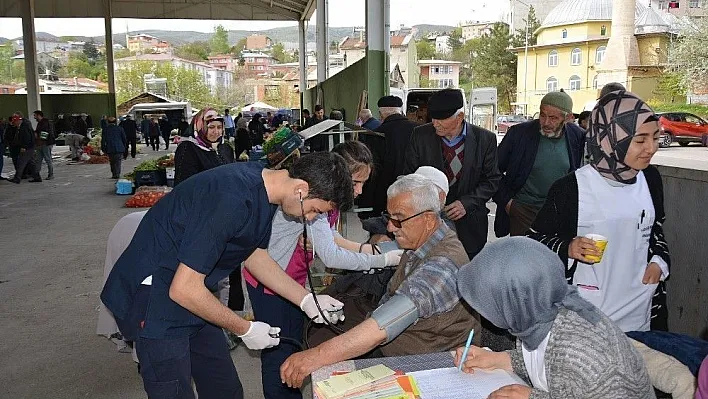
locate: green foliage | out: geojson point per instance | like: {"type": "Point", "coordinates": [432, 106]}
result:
{"type": "Point", "coordinates": [195, 51]}
{"type": "Point", "coordinates": [425, 49]}
{"type": "Point", "coordinates": [238, 48]}
{"type": "Point", "coordinates": [455, 39]}
{"type": "Point", "coordinates": [6, 64]}
{"type": "Point", "coordinates": [670, 88]}
{"type": "Point", "coordinates": [122, 53]}
{"type": "Point", "coordinates": [278, 52]}
{"type": "Point", "coordinates": [519, 39]}
{"type": "Point", "coordinates": [67, 38]}
{"type": "Point", "coordinates": [182, 84]}
{"type": "Point", "coordinates": [17, 72]}
{"type": "Point", "coordinates": [79, 65]}
{"type": "Point", "coordinates": [492, 64]}
{"type": "Point", "coordinates": [220, 41]}
{"type": "Point", "coordinates": [696, 109]}
{"type": "Point", "coordinates": [688, 55]}
{"type": "Point", "coordinates": [91, 52]}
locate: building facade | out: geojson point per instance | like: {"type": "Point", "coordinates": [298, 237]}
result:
{"type": "Point", "coordinates": [225, 62]}
{"type": "Point", "coordinates": [258, 42]}
{"type": "Point", "coordinates": [142, 43]}
{"type": "Point", "coordinates": [257, 63]}
{"type": "Point", "coordinates": [686, 8]}
{"type": "Point", "coordinates": [572, 44]}
{"type": "Point", "coordinates": [403, 53]}
{"type": "Point", "coordinates": [476, 30]}
{"type": "Point", "coordinates": [440, 73]}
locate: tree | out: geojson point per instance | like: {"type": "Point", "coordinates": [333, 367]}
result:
{"type": "Point", "coordinates": [195, 51]}
{"type": "Point", "coordinates": [239, 47]}
{"type": "Point", "coordinates": [17, 73]}
{"type": "Point", "coordinates": [79, 65]}
{"type": "Point", "coordinates": [91, 52]}
{"type": "Point", "coordinates": [689, 55]}
{"type": "Point", "coordinates": [670, 87]}
{"type": "Point", "coordinates": [494, 65]}
{"type": "Point", "coordinates": [278, 52]}
{"type": "Point", "coordinates": [6, 61]}
{"type": "Point", "coordinates": [425, 49]}
{"type": "Point", "coordinates": [220, 40]}
{"type": "Point", "coordinates": [533, 25]}
{"type": "Point", "coordinates": [455, 39]}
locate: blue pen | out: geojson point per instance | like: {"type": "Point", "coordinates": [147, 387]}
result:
{"type": "Point", "coordinates": [467, 349]}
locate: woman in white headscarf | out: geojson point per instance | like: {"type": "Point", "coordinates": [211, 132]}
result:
{"type": "Point", "coordinates": [566, 348]}
{"type": "Point", "coordinates": [619, 196]}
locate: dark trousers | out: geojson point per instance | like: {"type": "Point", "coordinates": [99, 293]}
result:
{"type": "Point", "coordinates": [169, 365]}
{"type": "Point", "coordinates": [25, 164]}
{"type": "Point", "coordinates": [166, 137]}
{"type": "Point", "coordinates": [236, 298]}
{"type": "Point", "coordinates": [115, 161]}
{"type": "Point", "coordinates": [277, 312]}
{"type": "Point", "coordinates": [132, 142]}
{"type": "Point", "coordinates": [14, 155]}
{"type": "Point", "coordinates": [155, 142]}
{"type": "Point", "coordinates": [521, 217]}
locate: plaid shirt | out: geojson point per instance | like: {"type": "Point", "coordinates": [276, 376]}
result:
{"type": "Point", "coordinates": [430, 282]}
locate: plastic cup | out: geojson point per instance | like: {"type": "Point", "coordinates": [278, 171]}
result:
{"type": "Point", "coordinates": [600, 243]}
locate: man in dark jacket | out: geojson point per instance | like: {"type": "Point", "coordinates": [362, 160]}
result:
{"type": "Point", "coordinates": [25, 139]}
{"type": "Point", "coordinates": [115, 144]}
{"type": "Point", "coordinates": [165, 131]}
{"type": "Point", "coordinates": [45, 142]}
{"type": "Point", "coordinates": [367, 120]}
{"type": "Point", "coordinates": [3, 126]}
{"type": "Point", "coordinates": [131, 133]}
{"type": "Point", "coordinates": [154, 133]}
{"type": "Point", "coordinates": [319, 142]}
{"type": "Point", "coordinates": [468, 156]}
{"type": "Point", "coordinates": [532, 156]}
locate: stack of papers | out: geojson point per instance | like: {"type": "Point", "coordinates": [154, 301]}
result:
{"type": "Point", "coordinates": [377, 382]}
{"type": "Point", "coordinates": [451, 383]}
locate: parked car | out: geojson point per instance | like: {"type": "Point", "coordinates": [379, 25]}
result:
{"type": "Point", "coordinates": [504, 122]}
{"type": "Point", "coordinates": [682, 128]}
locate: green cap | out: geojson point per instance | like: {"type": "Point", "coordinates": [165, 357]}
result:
{"type": "Point", "coordinates": [560, 100]}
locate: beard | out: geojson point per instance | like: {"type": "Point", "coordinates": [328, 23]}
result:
{"type": "Point", "coordinates": [555, 134]}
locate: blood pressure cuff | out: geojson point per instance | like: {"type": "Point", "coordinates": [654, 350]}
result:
{"type": "Point", "coordinates": [394, 316]}
{"type": "Point", "coordinates": [387, 246]}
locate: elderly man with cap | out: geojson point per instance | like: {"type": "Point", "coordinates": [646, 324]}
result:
{"type": "Point", "coordinates": [468, 156]}
{"type": "Point", "coordinates": [532, 156]}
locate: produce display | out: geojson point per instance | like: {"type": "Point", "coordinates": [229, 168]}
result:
{"type": "Point", "coordinates": [277, 138]}
{"type": "Point", "coordinates": [97, 159]}
{"type": "Point", "coordinates": [167, 161]}
{"type": "Point", "coordinates": [147, 196]}
{"type": "Point", "coordinates": [144, 166]}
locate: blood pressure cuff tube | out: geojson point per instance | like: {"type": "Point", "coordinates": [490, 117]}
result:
{"type": "Point", "coordinates": [394, 316]}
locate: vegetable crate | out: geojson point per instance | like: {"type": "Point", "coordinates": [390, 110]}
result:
{"type": "Point", "coordinates": [150, 178]}
{"type": "Point", "coordinates": [282, 150]}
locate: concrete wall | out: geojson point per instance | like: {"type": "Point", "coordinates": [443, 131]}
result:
{"type": "Point", "coordinates": [686, 224]}
{"type": "Point", "coordinates": [96, 105]}
{"type": "Point", "coordinates": [342, 91]}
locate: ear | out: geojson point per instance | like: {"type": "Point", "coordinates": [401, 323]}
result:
{"type": "Point", "coordinates": [301, 189]}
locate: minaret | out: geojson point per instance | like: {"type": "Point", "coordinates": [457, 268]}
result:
{"type": "Point", "coordinates": [622, 49]}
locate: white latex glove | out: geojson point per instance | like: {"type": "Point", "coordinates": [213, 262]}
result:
{"type": "Point", "coordinates": [259, 336]}
{"type": "Point", "coordinates": [393, 258]}
{"type": "Point", "coordinates": [331, 307]}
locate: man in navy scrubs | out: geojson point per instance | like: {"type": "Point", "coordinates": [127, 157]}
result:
{"type": "Point", "coordinates": [160, 290]}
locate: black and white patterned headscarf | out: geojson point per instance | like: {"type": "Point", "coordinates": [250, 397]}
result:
{"type": "Point", "coordinates": [613, 123]}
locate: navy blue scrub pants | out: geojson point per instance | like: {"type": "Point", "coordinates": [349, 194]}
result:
{"type": "Point", "coordinates": [277, 312]}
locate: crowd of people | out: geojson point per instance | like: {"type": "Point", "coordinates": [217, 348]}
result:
{"type": "Point", "coordinates": [574, 302]}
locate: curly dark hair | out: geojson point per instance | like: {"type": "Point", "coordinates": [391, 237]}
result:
{"type": "Point", "coordinates": [328, 177]}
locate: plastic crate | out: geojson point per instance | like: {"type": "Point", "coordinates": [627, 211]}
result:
{"type": "Point", "coordinates": [150, 178]}
{"type": "Point", "coordinates": [124, 187]}
{"type": "Point", "coordinates": [282, 150]}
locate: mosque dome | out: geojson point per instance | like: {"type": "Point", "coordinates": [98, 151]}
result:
{"type": "Point", "coordinates": [577, 11]}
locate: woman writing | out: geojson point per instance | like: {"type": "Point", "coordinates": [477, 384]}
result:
{"type": "Point", "coordinates": [618, 196]}
{"type": "Point", "coordinates": [566, 348]}
{"type": "Point", "coordinates": [332, 249]}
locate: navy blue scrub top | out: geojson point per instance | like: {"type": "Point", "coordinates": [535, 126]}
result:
{"type": "Point", "coordinates": [211, 222]}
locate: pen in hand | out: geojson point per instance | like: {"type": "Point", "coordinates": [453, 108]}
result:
{"type": "Point", "coordinates": [467, 349]}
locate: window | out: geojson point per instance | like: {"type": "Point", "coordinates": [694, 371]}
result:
{"type": "Point", "coordinates": [552, 84]}
{"type": "Point", "coordinates": [600, 54]}
{"type": "Point", "coordinates": [594, 83]}
{"type": "Point", "coordinates": [575, 56]}
{"type": "Point", "coordinates": [564, 34]}
{"type": "Point", "coordinates": [260, 67]}
{"type": "Point", "coordinates": [694, 4]}
{"type": "Point", "coordinates": [443, 83]}
{"type": "Point", "coordinates": [603, 30]}
{"type": "Point", "coordinates": [694, 119]}
{"type": "Point", "coordinates": [553, 58]}
{"type": "Point", "coordinates": [574, 83]}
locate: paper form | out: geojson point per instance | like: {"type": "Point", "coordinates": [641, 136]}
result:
{"type": "Point", "coordinates": [340, 384]}
{"type": "Point", "coordinates": [449, 383]}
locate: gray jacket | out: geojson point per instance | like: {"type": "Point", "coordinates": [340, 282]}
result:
{"type": "Point", "coordinates": [586, 361]}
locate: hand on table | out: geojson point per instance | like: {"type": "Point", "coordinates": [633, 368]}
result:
{"type": "Point", "coordinates": [455, 211]}
{"type": "Point", "coordinates": [581, 247]}
{"type": "Point", "coordinates": [652, 275]}
{"type": "Point", "coordinates": [478, 358]}
{"type": "Point", "coordinates": [515, 391]}
{"type": "Point", "coordinates": [298, 366]}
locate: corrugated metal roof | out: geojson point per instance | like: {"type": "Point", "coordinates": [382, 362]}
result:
{"type": "Point", "coordinates": [570, 12]}
{"type": "Point", "coordinates": [261, 10]}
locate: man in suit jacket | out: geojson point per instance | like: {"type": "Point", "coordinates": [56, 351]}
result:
{"type": "Point", "coordinates": [468, 156]}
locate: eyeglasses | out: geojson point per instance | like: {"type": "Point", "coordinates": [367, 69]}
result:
{"type": "Point", "coordinates": [398, 223]}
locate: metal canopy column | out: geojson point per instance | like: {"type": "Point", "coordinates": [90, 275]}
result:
{"type": "Point", "coordinates": [110, 67]}
{"type": "Point", "coordinates": [302, 59]}
{"type": "Point", "coordinates": [378, 49]}
{"type": "Point", "coordinates": [322, 44]}
{"type": "Point", "coordinates": [34, 102]}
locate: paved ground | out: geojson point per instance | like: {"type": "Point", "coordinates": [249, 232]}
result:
{"type": "Point", "coordinates": [52, 249]}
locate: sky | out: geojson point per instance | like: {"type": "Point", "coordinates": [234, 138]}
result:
{"type": "Point", "coordinates": [341, 13]}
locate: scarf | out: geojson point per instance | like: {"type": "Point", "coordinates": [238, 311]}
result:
{"type": "Point", "coordinates": [199, 129]}
{"type": "Point", "coordinates": [613, 123]}
{"type": "Point", "coordinates": [519, 285]}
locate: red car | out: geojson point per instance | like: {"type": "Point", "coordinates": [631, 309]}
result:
{"type": "Point", "coordinates": [682, 128]}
